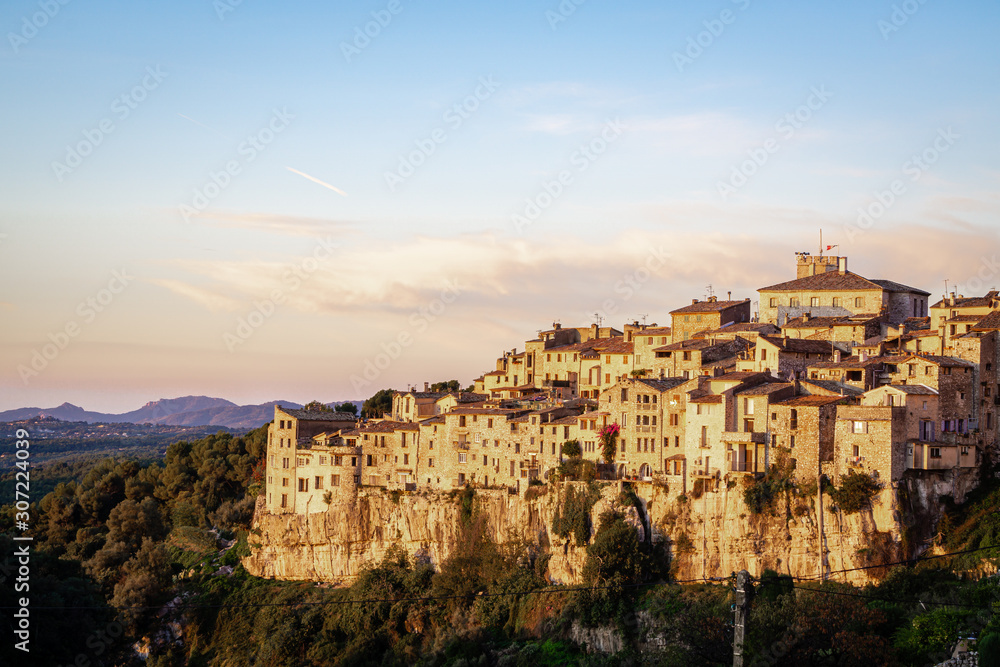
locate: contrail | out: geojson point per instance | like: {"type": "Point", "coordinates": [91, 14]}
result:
{"type": "Point", "coordinates": [316, 180]}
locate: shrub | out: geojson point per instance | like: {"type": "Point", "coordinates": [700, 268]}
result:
{"type": "Point", "coordinates": [856, 492]}
{"type": "Point", "coordinates": [573, 515]}
{"type": "Point", "coordinates": [572, 448]}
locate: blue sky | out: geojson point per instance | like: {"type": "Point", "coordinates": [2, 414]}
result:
{"type": "Point", "coordinates": [645, 127]}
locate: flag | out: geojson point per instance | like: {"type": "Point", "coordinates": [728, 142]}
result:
{"type": "Point", "coordinates": [831, 247]}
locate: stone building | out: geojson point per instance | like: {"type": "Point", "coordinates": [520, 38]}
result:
{"type": "Point", "coordinates": [839, 293]}
{"type": "Point", "coordinates": [706, 315]}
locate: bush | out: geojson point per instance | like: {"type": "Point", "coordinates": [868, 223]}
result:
{"type": "Point", "coordinates": [572, 449]}
{"type": "Point", "coordinates": [573, 514]}
{"type": "Point", "coordinates": [856, 492]}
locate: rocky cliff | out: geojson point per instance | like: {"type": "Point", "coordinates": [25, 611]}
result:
{"type": "Point", "coordinates": [709, 536]}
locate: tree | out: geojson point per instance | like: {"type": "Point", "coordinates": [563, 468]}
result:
{"type": "Point", "coordinates": [450, 385]}
{"type": "Point", "coordinates": [609, 442]}
{"type": "Point", "coordinates": [378, 404]}
{"type": "Point", "coordinates": [316, 406]}
{"type": "Point", "coordinates": [348, 407]}
{"type": "Point", "coordinates": [572, 448]}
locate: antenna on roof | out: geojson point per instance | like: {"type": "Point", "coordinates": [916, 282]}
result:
{"type": "Point", "coordinates": [643, 316]}
{"type": "Point", "coordinates": [710, 291]}
{"type": "Point", "coordinates": [946, 288]}
{"type": "Point", "coordinates": [597, 316]}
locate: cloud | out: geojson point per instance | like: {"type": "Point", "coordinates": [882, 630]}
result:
{"type": "Point", "coordinates": [209, 299]}
{"type": "Point", "coordinates": [290, 225]}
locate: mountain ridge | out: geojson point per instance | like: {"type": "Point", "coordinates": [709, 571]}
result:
{"type": "Point", "coordinates": [181, 411]}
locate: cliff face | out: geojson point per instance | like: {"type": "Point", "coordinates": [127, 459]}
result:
{"type": "Point", "coordinates": [709, 536]}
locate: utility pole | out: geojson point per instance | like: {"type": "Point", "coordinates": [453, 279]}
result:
{"type": "Point", "coordinates": [744, 591]}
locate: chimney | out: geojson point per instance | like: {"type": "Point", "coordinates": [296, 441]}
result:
{"type": "Point", "coordinates": [842, 264]}
{"type": "Point", "coordinates": [713, 299]}
{"type": "Point", "coordinates": [694, 301]}
{"type": "Point", "coordinates": [951, 299]}
{"type": "Point", "coordinates": [836, 356]}
{"type": "Point", "coordinates": [427, 386]}
{"type": "Point", "coordinates": [556, 326]}
{"type": "Point", "coordinates": [864, 355]}
{"type": "Point", "coordinates": [805, 316]}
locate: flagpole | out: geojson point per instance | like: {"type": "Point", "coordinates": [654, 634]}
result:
{"type": "Point", "coordinates": [821, 242]}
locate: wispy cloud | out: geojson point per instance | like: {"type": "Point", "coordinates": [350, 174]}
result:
{"type": "Point", "coordinates": [277, 223]}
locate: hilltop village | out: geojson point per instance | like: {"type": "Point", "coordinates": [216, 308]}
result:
{"type": "Point", "coordinates": [836, 373]}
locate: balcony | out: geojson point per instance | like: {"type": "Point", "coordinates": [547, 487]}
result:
{"type": "Point", "coordinates": [461, 444]}
{"type": "Point", "coordinates": [645, 429]}
{"type": "Point", "coordinates": [855, 460]}
{"type": "Point", "coordinates": [646, 407]}
{"type": "Point", "coordinates": [745, 437]}
{"type": "Point", "coordinates": [701, 472]}
{"type": "Point", "coordinates": [555, 383]}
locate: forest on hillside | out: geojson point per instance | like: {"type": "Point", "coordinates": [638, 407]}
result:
{"type": "Point", "coordinates": [139, 563]}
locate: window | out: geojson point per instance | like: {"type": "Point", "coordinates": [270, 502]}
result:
{"type": "Point", "coordinates": [489, 423]}
{"type": "Point", "coordinates": [284, 500]}
{"type": "Point", "coordinates": [406, 459]}
{"type": "Point", "coordinates": [284, 481]}
{"type": "Point", "coordinates": [859, 427]}
{"type": "Point", "coordinates": [303, 484]}
{"type": "Point", "coordinates": [748, 406]}
{"type": "Point", "coordinates": [462, 457]}
{"type": "Point", "coordinates": [674, 419]}
{"type": "Point", "coordinates": [935, 452]}
{"type": "Point", "coordinates": [859, 301]}
{"type": "Point", "coordinates": [461, 421]}
{"type": "Point", "coordinates": [284, 462]}
{"type": "Point", "coordinates": [318, 484]}
{"type": "Point", "coordinates": [791, 441]}
{"type": "Point", "coordinates": [793, 302]}
{"type": "Point", "coordinates": [322, 460]}
{"type": "Point", "coordinates": [369, 460]}
{"type": "Point", "coordinates": [484, 459]}
{"type": "Point", "coordinates": [624, 394]}
{"type": "Point", "coordinates": [814, 301]}
{"type": "Point", "coordinates": [334, 480]}
{"type": "Point", "coordinates": [704, 436]}
{"type": "Point", "coordinates": [836, 302]}
{"type": "Point", "coordinates": [763, 354]}
{"type": "Point", "coordinates": [774, 302]}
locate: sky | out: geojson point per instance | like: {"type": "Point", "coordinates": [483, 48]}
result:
{"type": "Point", "coordinates": [308, 200]}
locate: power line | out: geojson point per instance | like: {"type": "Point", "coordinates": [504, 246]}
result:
{"type": "Point", "coordinates": [911, 561]}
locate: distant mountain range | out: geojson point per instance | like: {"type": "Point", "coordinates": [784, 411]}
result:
{"type": "Point", "coordinates": [185, 411]}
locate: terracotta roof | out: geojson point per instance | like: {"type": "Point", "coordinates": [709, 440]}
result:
{"type": "Point", "coordinates": [938, 360]}
{"type": "Point", "coordinates": [484, 411]}
{"type": "Point", "coordinates": [890, 286]}
{"type": "Point", "coordinates": [811, 401]}
{"type": "Point", "coordinates": [744, 327]}
{"type": "Point", "coordinates": [699, 344]}
{"type": "Point", "coordinates": [665, 384]}
{"type": "Point", "coordinates": [764, 389]}
{"type": "Point", "coordinates": [800, 345]}
{"type": "Point", "coordinates": [991, 321]}
{"type": "Point", "coordinates": [965, 318]}
{"type": "Point", "coordinates": [833, 387]}
{"type": "Point", "coordinates": [571, 419]}
{"type": "Point", "coordinates": [849, 362]}
{"type": "Point", "coordinates": [423, 394]}
{"type": "Point", "coordinates": [968, 301]}
{"type": "Point", "coordinates": [653, 331]}
{"type": "Point", "coordinates": [818, 322]}
{"type": "Point", "coordinates": [916, 389]}
{"type": "Point", "coordinates": [385, 426]}
{"type": "Point", "coordinates": [708, 398]}
{"type": "Point", "coordinates": [735, 377]}
{"type": "Point", "coordinates": [436, 419]}
{"type": "Point", "coordinates": [708, 306]}
{"type": "Point", "coordinates": [829, 281]}
{"type": "Point", "coordinates": [616, 345]}
{"type": "Point", "coordinates": [318, 415]}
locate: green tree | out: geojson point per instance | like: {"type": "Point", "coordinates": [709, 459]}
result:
{"type": "Point", "coordinates": [450, 385]}
{"type": "Point", "coordinates": [316, 406]}
{"type": "Point", "coordinates": [572, 448]}
{"type": "Point", "coordinates": [348, 407]}
{"type": "Point", "coordinates": [378, 404]}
